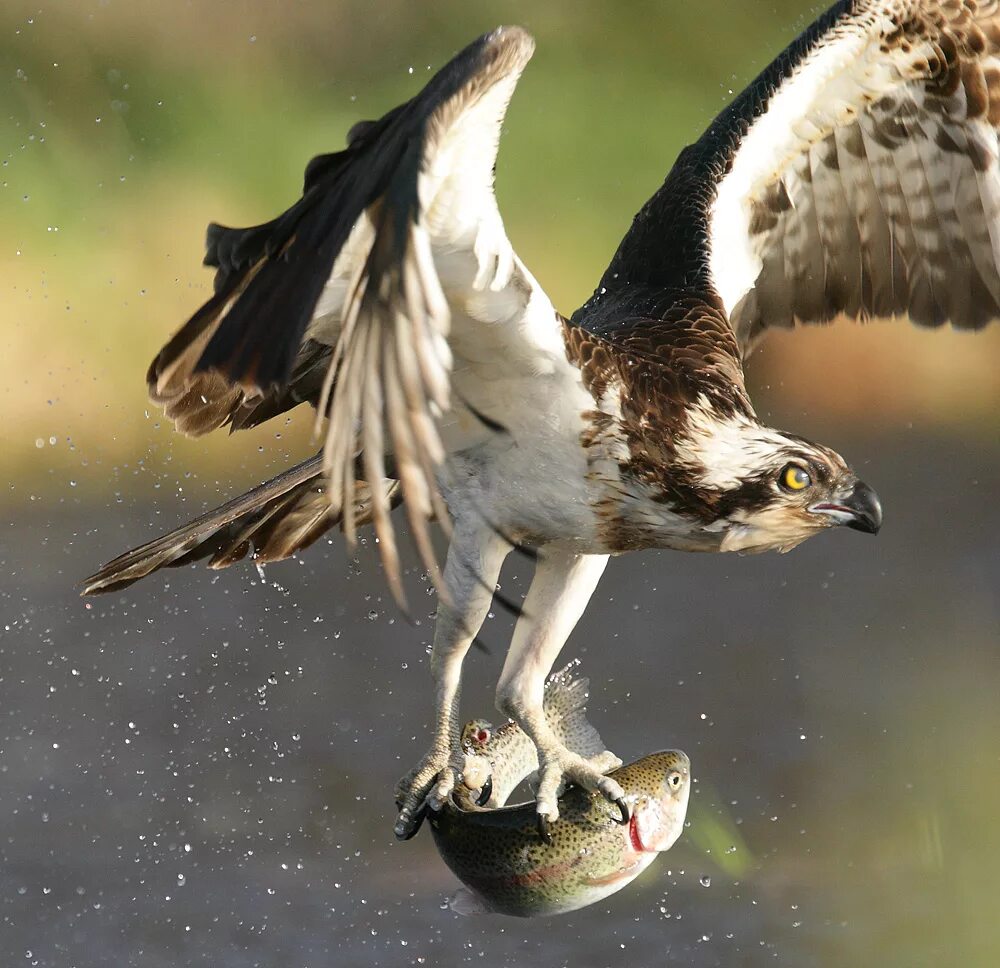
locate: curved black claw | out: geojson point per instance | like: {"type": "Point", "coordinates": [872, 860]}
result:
{"type": "Point", "coordinates": [486, 792]}
{"type": "Point", "coordinates": [408, 829]}
{"type": "Point", "coordinates": [625, 810]}
{"type": "Point", "coordinates": [544, 831]}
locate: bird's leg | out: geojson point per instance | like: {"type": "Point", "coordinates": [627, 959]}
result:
{"type": "Point", "coordinates": [559, 592]}
{"type": "Point", "coordinates": [470, 575]}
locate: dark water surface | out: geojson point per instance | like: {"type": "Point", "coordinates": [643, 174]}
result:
{"type": "Point", "coordinates": [198, 771]}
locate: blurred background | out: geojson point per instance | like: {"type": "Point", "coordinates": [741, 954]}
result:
{"type": "Point", "coordinates": [199, 770]}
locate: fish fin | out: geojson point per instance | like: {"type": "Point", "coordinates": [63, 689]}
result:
{"type": "Point", "coordinates": [467, 903]}
{"type": "Point", "coordinates": [565, 694]}
{"type": "Point", "coordinates": [566, 712]}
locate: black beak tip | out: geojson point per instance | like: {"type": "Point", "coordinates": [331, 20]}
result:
{"type": "Point", "coordinates": [864, 526]}
{"type": "Point", "coordinates": [867, 509]}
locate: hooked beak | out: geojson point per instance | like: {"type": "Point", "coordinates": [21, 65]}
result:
{"type": "Point", "coordinates": [859, 509]}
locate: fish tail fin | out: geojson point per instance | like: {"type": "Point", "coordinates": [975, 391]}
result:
{"type": "Point", "coordinates": [467, 903]}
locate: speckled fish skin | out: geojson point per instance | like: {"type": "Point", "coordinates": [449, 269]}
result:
{"type": "Point", "coordinates": [508, 869]}
{"type": "Point", "coordinates": [507, 754]}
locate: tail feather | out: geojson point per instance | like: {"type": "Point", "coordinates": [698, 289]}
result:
{"type": "Point", "coordinates": [274, 520]}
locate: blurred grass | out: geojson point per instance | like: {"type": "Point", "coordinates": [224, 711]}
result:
{"type": "Point", "coordinates": [129, 127]}
{"type": "Point", "coordinates": [714, 834]}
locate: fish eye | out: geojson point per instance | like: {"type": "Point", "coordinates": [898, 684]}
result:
{"type": "Point", "coordinates": [674, 780]}
{"type": "Point", "coordinates": [476, 735]}
{"type": "Point", "coordinates": [794, 477]}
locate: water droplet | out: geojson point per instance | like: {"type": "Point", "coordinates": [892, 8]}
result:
{"type": "Point", "coordinates": [705, 880]}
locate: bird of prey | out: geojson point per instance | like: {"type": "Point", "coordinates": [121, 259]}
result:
{"type": "Point", "coordinates": [856, 177]}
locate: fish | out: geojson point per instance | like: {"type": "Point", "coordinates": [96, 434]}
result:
{"type": "Point", "coordinates": [496, 851]}
{"type": "Point", "coordinates": [506, 756]}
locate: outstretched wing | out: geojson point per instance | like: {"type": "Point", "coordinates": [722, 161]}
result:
{"type": "Point", "coordinates": [362, 296]}
{"type": "Point", "coordinates": [857, 176]}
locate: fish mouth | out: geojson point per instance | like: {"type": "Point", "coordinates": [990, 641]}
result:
{"type": "Point", "coordinates": [634, 837]}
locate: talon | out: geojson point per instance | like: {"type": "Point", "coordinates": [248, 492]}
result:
{"type": "Point", "coordinates": [416, 792]}
{"type": "Point", "coordinates": [407, 826]}
{"type": "Point", "coordinates": [485, 793]}
{"type": "Point", "coordinates": [625, 810]}
{"type": "Point", "coordinates": [544, 830]}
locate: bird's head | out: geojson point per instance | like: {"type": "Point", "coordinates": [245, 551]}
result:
{"type": "Point", "coordinates": [761, 489]}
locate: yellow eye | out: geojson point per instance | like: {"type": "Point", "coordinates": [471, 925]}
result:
{"type": "Point", "coordinates": [795, 478]}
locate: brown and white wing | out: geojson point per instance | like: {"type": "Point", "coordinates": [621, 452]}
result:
{"type": "Point", "coordinates": [857, 176]}
{"type": "Point", "coordinates": [360, 297]}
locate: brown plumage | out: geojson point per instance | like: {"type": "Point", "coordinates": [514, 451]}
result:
{"type": "Point", "coordinates": [874, 206]}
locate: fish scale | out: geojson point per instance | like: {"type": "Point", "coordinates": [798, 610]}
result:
{"type": "Point", "coordinates": [507, 754]}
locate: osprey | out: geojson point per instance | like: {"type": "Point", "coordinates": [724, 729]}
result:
{"type": "Point", "coordinates": [856, 177]}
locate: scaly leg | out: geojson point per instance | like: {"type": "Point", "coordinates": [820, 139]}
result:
{"type": "Point", "coordinates": [559, 592]}
{"type": "Point", "coordinates": [470, 575]}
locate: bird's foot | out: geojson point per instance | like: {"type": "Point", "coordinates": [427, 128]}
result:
{"type": "Point", "coordinates": [558, 766]}
{"type": "Point", "coordinates": [427, 786]}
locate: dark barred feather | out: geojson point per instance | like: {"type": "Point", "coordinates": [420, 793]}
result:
{"type": "Point", "coordinates": [857, 176]}
{"type": "Point", "coordinates": [337, 302]}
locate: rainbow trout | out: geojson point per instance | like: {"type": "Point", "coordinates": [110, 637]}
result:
{"type": "Point", "coordinates": [496, 850]}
